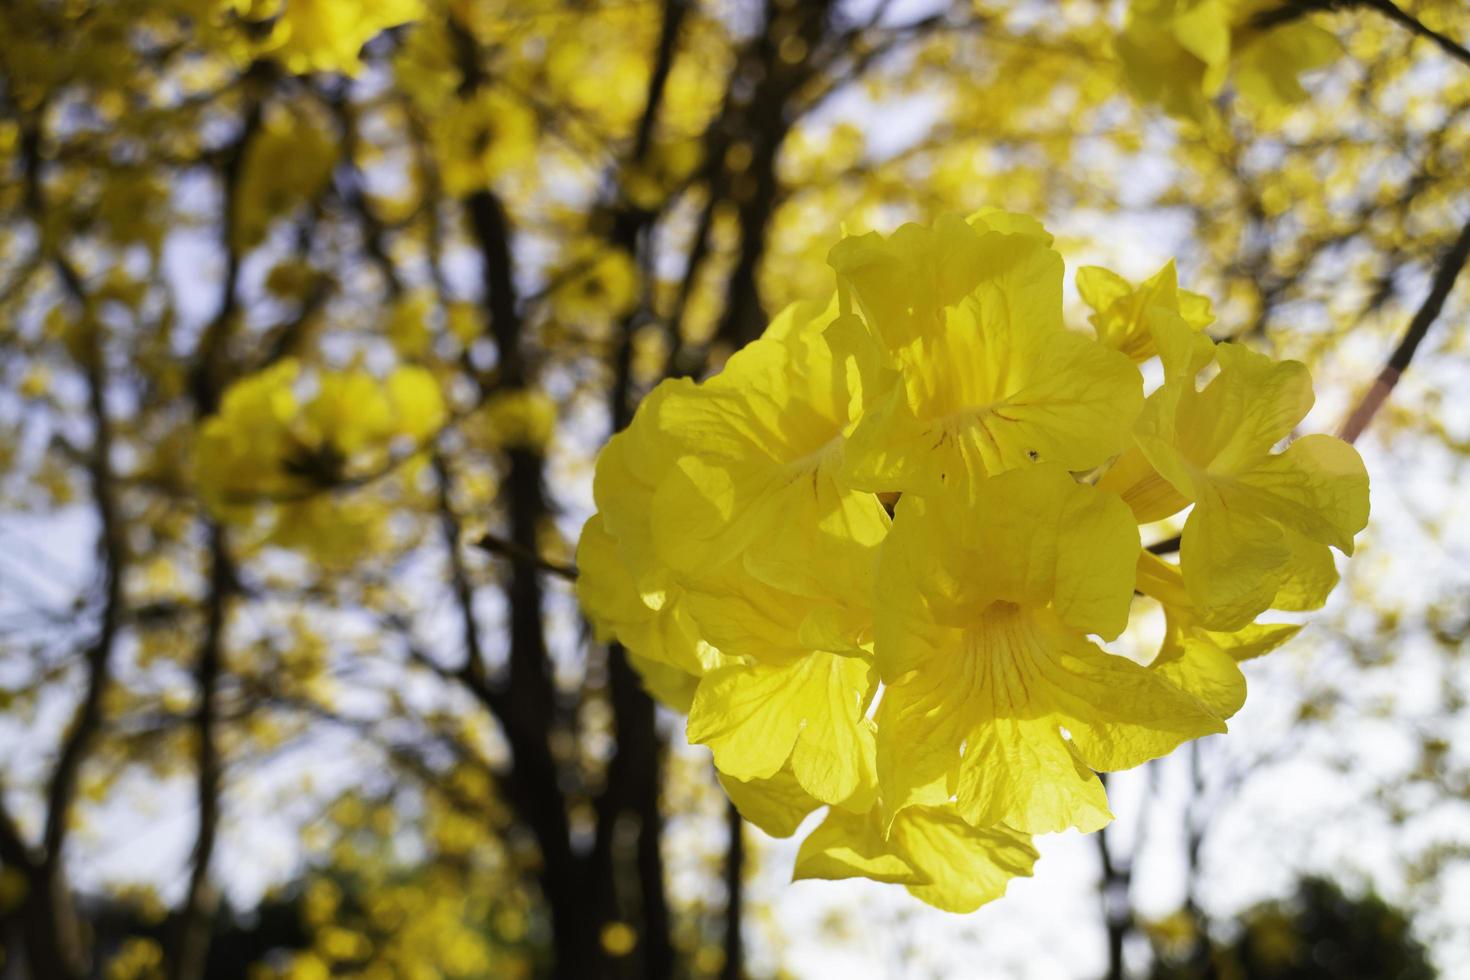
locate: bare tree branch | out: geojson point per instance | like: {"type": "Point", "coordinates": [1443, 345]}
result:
{"type": "Point", "coordinates": [1398, 362]}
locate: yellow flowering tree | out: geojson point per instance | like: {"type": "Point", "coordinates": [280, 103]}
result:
{"type": "Point", "coordinates": [466, 463]}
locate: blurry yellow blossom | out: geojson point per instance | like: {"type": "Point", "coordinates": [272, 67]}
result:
{"type": "Point", "coordinates": [597, 288]}
{"type": "Point", "coordinates": [325, 35]}
{"type": "Point", "coordinates": [619, 938]}
{"type": "Point", "coordinates": [520, 419]}
{"type": "Point", "coordinates": [136, 959]}
{"type": "Point", "coordinates": [272, 446]}
{"type": "Point", "coordinates": [479, 136]}
{"type": "Point", "coordinates": [1180, 53]}
{"type": "Point", "coordinates": [408, 324]}
{"type": "Point", "coordinates": [287, 163]}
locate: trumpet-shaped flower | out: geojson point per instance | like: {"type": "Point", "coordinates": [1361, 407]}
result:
{"type": "Point", "coordinates": [985, 603]}
{"type": "Point", "coordinates": [1257, 515]}
{"type": "Point", "coordinates": [1201, 662]}
{"type": "Point", "coordinates": [661, 639]}
{"type": "Point", "coordinates": [991, 382]}
{"type": "Point", "coordinates": [903, 284]}
{"type": "Point", "coordinates": [627, 593]}
{"type": "Point", "coordinates": [1124, 314]}
{"type": "Point", "coordinates": [759, 450]}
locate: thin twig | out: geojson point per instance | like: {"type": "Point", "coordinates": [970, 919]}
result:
{"type": "Point", "coordinates": [1444, 282]}
{"type": "Point", "coordinates": [517, 553]}
{"type": "Point", "coordinates": [1402, 17]}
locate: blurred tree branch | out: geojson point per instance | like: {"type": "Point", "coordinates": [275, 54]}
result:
{"type": "Point", "coordinates": [1443, 283]}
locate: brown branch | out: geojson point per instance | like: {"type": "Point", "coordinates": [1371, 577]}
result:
{"type": "Point", "coordinates": [1398, 362]}
{"type": "Point", "coordinates": [1292, 10]}
{"type": "Point", "coordinates": [14, 851]}
{"type": "Point", "coordinates": [352, 189]}
{"type": "Point", "coordinates": [189, 944]}
{"type": "Point", "coordinates": [734, 966]}
{"type": "Point", "coordinates": [528, 705]}
{"type": "Point", "coordinates": [192, 938]}
{"type": "Point", "coordinates": [765, 125]}
{"type": "Point", "coordinates": [54, 946]}
{"type": "Point", "coordinates": [1113, 889]}
{"type": "Point", "coordinates": [206, 381]}
{"type": "Point", "coordinates": [1165, 547]}
{"type": "Point", "coordinates": [1405, 19]}
{"type": "Point", "coordinates": [523, 556]}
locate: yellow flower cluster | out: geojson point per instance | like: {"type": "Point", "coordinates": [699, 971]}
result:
{"type": "Point", "coordinates": [932, 676]}
{"type": "Point", "coordinates": [1180, 53]}
{"type": "Point", "coordinates": [270, 452]}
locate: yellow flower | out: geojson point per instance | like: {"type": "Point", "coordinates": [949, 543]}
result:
{"type": "Point", "coordinates": [240, 448]}
{"type": "Point", "coordinates": [807, 711]}
{"type": "Point", "coordinates": [597, 287]}
{"type": "Point", "coordinates": [758, 453]}
{"type": "Point", "coordinates": [287, 163]}
{"type": "Point", "coordinates": [991, 380]}
{"type": "Point", "coordinates": [520, 419]}
{"type": "Point", "coordinates": [985, 600]}
{"type": "Point", "coordinates": [1180, 53]}
{"type": "Point", "coordinates": [270, 454]}
{"type": "Point", "coordinates": [479, 137]}
{"type": "Point", "coordinates": [1123, 313]}
{"type": "Point", "coordinates": [1257, 514]}
{"type": "Point", "coordinates": [627, 594]}
{"type": "Point", "coordinates": [655, 627]}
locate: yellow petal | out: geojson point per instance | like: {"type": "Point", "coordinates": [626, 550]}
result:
{"type": "Point", "coordinates": [1233, 562]}
{"type": "Point", "coordinates": [1311, 575]}
{"type": "Point", "coordinates": [1201, 669]}
{"type": "Point", "coordinates": [658, 632]}
{"type": "Point", "coordinates": [966, 866]}
{"type": "Point", "coordinates": [852, 845]}
{"type": "Point", "coordinates": [756, 717]}
{"type": "Point", "coordinates": [776, 805]}
{"type": "Point", "coordinates": [1318, 487]}
{"type": "Point", "coordinates": [1117, 712]}
{"type": "Point", "coordinates": [942, 859]}
{"type": "Point", "coordinates": [1133, 478]}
